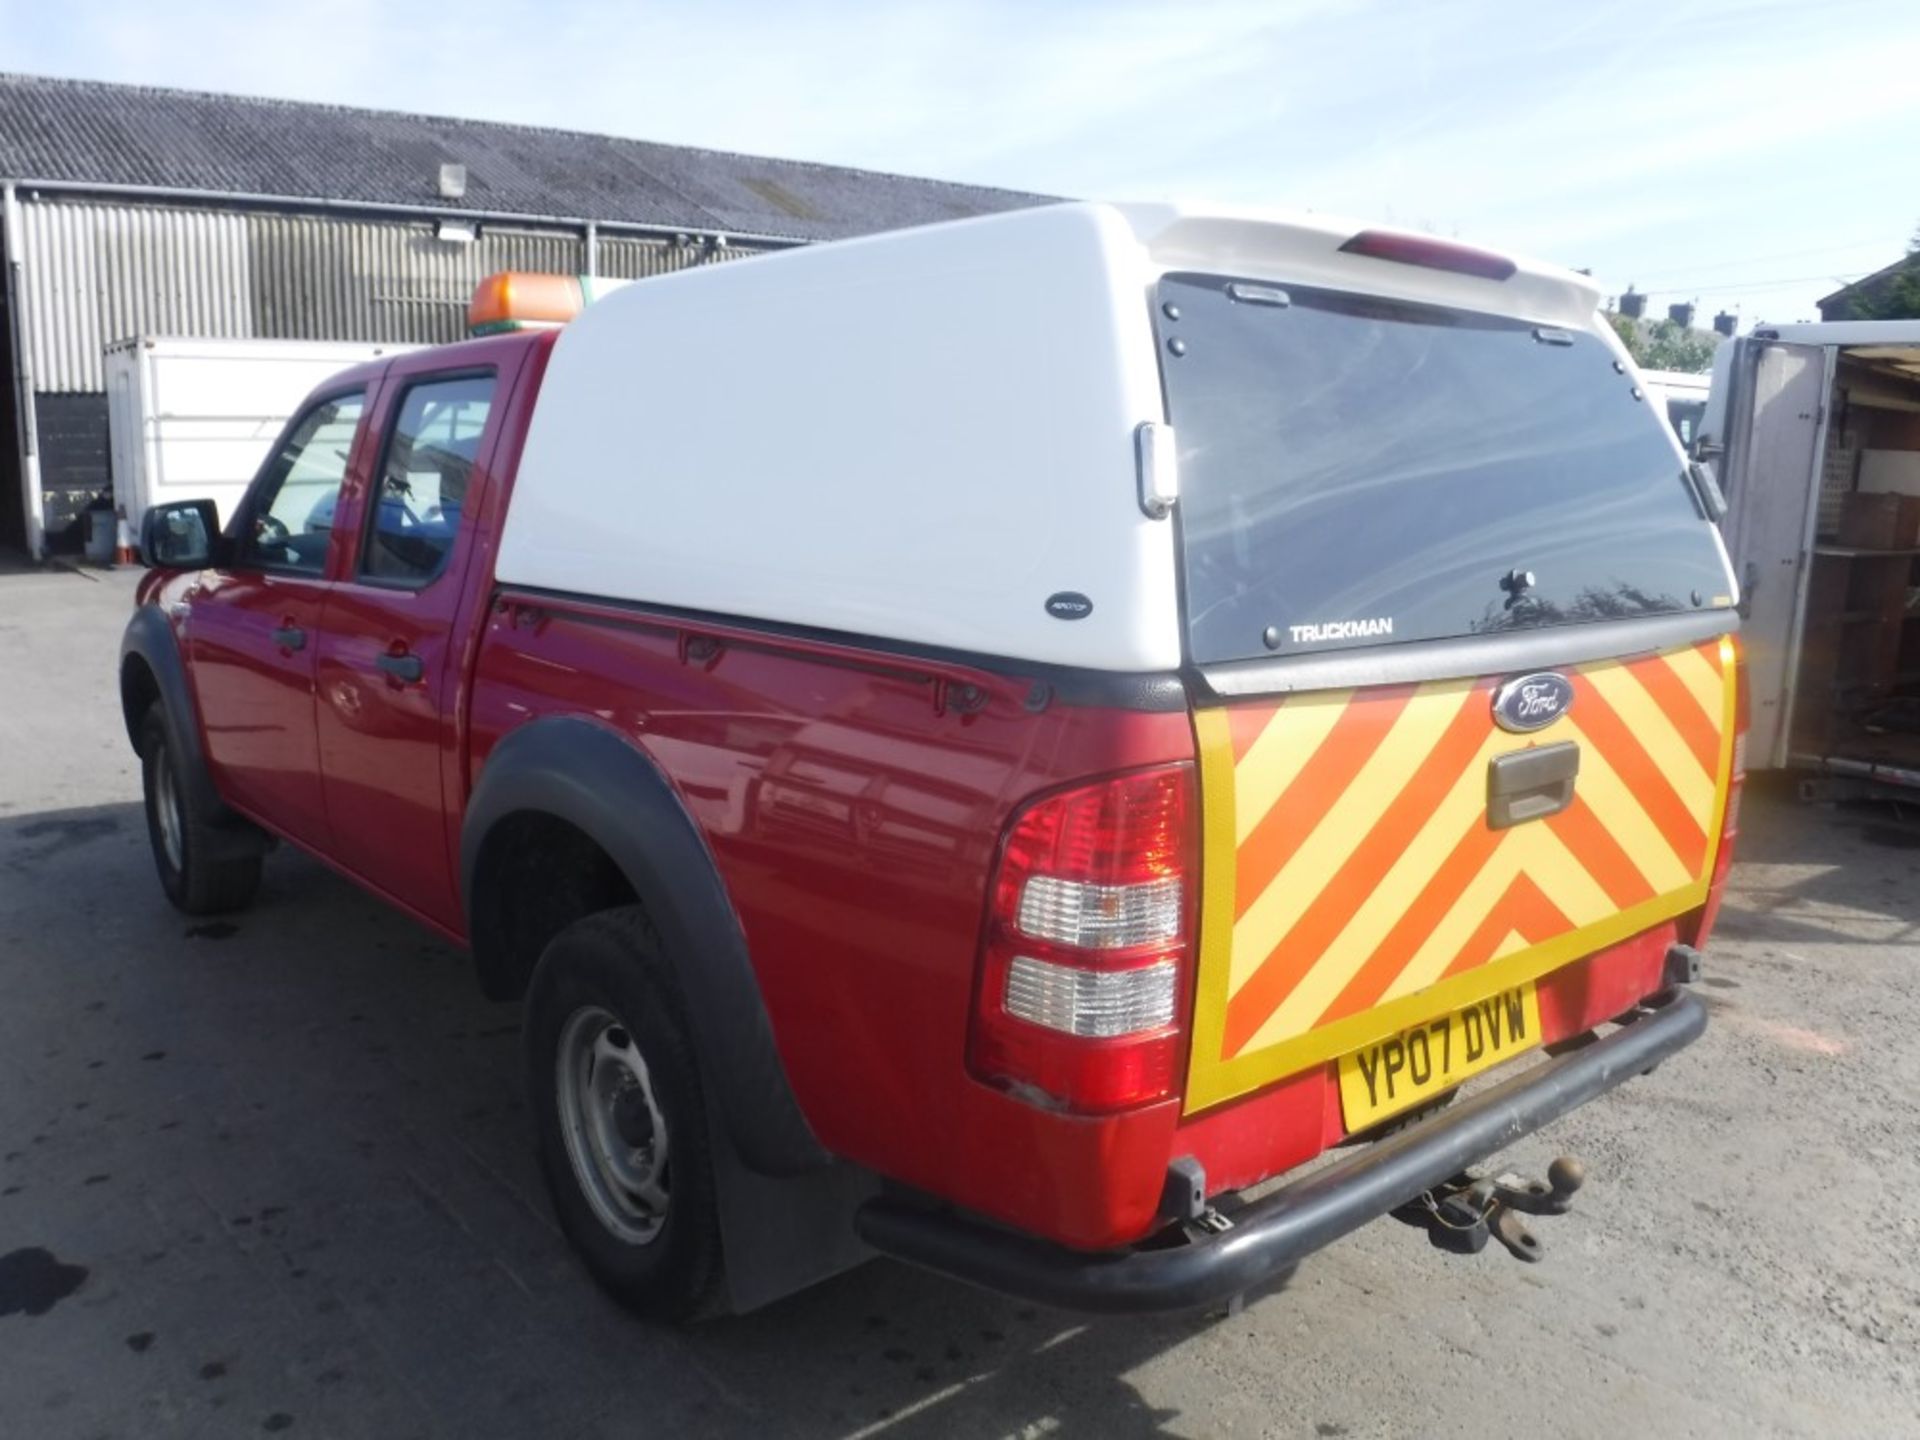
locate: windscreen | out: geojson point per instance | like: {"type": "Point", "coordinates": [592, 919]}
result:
{"type": "Point", "coordinates": [1357, 471]}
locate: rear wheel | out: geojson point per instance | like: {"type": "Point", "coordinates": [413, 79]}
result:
{"type": "Point", "coordinates": [620, 1118]}
{"type": "Point", "coordinates": [201, 866]}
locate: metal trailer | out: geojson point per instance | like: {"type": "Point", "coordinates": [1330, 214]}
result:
{"type": "Point", "coordinates": [1684, 396]}
{"type": "Point", "coordinates": [1803, 419]}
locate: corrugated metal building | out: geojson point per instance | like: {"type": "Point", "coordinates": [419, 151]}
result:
{"type": "Point", "coordinates": [132, 211]}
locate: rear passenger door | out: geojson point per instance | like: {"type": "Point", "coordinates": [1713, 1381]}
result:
{"type": "Point", "coordinates": [388, 664]}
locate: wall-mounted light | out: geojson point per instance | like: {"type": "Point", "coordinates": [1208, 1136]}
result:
{"type": "Point", "coordinates": [456, 232]}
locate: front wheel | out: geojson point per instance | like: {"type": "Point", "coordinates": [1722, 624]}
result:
{"type": "Point", "coordinates": [201, 867]}
{"type": "Point", "coordinates": [619, 1115]}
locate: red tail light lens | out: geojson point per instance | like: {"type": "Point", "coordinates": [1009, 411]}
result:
{"type": "Point", "coordinates": [1431, 254]}
{"type": "Point", "coordinates": [1732, 657]}
{"type": "Point", "coordinates": [1085, 962]}
{"type": "Point", "coordinates": [1731, 654]}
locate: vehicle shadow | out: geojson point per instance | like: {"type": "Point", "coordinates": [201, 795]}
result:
{"type": "Point", "coordinates": [336, 1207]}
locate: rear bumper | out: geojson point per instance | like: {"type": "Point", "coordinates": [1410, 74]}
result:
{"type": "Point", "coordinates": [1274, 1233]}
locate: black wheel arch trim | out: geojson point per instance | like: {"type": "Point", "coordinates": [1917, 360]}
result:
{"type": "Point", "coordinates": [150, 639]}
{"type": "Point", "coordinates": [577, 771]}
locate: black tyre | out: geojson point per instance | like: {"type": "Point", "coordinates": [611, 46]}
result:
{"type": "Point", "coordinates": [204, 867]}
{"type": "Point", "coordinates": [619, 1116]}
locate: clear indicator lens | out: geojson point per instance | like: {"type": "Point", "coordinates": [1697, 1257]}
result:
{"type": "Point", "coordinates": [1100, 917]}
{"type": "Point", "coordinates": [1091, 1004]}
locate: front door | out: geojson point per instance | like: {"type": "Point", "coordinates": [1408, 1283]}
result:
{"type": "Point", "coordinates": [253, 625]}
{"type": "Point", "coordinates": [387, 677]}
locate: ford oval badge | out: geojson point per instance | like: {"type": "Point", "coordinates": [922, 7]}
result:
{"type": "Point", "coordinates": [1069, 605]}
{"type": "Point", "coordinates": [1532, 702]}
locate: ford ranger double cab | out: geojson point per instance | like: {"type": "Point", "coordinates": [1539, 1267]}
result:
{"type": "Point", "coordinates": [988, 744]}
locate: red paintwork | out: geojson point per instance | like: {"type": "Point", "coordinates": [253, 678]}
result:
{"type": "Point", "coordinates": [853, 809]}
{"type": "Point", "coordinates": [256, 696]}
{"type": "Point", "coordinates": [363, 773]}
{"type": "Point", "coordinates": [855, 828]}
{"type": "Point", "coordinates": [386, 746]}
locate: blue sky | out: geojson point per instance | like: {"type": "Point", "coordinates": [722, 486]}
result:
{"type": "Point", "coordinates": [1751, 154]}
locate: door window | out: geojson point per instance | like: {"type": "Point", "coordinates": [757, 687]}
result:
{"type": "Point", "coordinates": [423, 479]}
{"type": "Point", "coordinates": [290, 520]}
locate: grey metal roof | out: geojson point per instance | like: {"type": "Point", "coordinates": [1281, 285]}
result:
{"type": "Point", "coordinates": [95, 133]}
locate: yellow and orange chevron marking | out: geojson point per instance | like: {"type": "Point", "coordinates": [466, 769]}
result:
{"type": "Point", "coordinates": [1362, 889]}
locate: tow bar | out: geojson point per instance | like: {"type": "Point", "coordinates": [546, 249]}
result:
{"type": "Point", "coordinates": [1271, 1234]}
{"type": "Point", "coordinates": [1460, 1215]}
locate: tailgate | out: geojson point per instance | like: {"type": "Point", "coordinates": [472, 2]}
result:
{"type": "Point", "coordinates": [1354, 885]}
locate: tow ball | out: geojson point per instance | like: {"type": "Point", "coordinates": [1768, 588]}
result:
{"type": "Point", "coordinates": [1461, 1215]}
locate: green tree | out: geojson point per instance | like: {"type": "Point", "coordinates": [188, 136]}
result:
{"type": "Point", "coordinates": [1895, 298]}
{"type": "Point", "coordinates": [1664, 345]}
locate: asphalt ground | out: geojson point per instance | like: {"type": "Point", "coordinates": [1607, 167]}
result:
{"type": "Point", "coordinates": [273, 1175]}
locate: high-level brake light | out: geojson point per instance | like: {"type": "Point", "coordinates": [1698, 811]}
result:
{"type": "Point", "coordinates": [1432, 254]}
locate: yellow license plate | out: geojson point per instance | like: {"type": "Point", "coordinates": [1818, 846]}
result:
{"type": "Point", "coordinates": [1419, 1063]}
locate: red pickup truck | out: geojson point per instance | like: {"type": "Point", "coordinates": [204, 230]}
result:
{"type": "Point", "coordinates": [987, 743]}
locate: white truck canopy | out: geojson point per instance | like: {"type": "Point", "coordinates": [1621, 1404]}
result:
{"type": "Point", "coordinates": [922, 435]}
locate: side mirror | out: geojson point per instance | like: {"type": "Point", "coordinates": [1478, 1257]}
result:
{"type": "Point", "coordinates": [180, 535]}
{"type": "Point", "coordinates": [1706, 485]}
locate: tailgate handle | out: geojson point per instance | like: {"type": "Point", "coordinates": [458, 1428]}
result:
{"type": "Point", "coordinates": [1531, 784]}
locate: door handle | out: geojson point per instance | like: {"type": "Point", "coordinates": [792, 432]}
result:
{"type": "Point", "coordinates": [402, 667]}
{"type": "Point", "coordinates": [290, 637]}
{"type": "Point", "coordinates": [1531, 784]}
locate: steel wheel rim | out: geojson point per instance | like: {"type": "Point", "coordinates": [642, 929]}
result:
{"type": "Point", "coordinates": [610, 1119]}
{"type": "Point", "coordinates": [166, 805]}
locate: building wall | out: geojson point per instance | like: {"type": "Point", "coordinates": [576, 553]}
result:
{"type": "Point", "coordinates": [13, 522]}
{"type": "Point", "coordinates": [320, 278]}
{"type": "Point", "coordinates": [94, 272]}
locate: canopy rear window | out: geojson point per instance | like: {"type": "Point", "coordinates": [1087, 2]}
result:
{"type": "Point", "coordinates": [1358, 471]}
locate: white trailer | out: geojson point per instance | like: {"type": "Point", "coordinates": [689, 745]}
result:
{"type": "Point", "coordinates": [193, 419]}
{"type": "Point", "coordinates": [1815, 432]}
{"type": "Point", "coordinates": [1683, 394]}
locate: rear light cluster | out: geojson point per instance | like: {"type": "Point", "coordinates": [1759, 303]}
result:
{"type": "Point", "coordinates": [1703, 922]}
{"type": "Point", "coordinates": [1730, 654]}
{"type": "Point", "coordinates": [1085, 961]}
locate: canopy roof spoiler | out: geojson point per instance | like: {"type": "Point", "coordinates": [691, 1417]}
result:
{"type": "Point", "coordinates": [1372, 259]}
